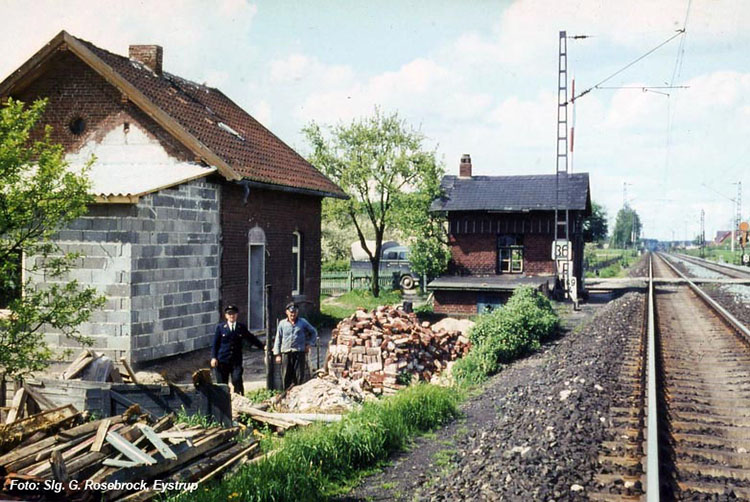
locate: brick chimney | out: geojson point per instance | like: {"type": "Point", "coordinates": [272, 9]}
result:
{"type": "Point", "coordinates": [149, 55]}
{"type": "Point", "coordinates": [464, 168]}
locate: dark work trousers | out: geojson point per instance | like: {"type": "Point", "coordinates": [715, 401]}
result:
{"type": "Point", "coordinates": [293, 368]}
{"type": "Point", "coordinates": [224, 370]}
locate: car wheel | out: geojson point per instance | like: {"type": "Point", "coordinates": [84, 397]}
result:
{"type": "Point", "coordinates": [407, 282]}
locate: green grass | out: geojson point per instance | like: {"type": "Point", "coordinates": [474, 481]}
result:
{"type": "Point", "coordinates": [598, 262]}
{"type": "Point", "coordinates": [205, 421]}
{"type": "Point", "coordinates": [260, 395]}
{"type": "Point", "coordinates": [313, 461]}
{"type": "Point", "coordinates": [340, 307]}
{"type": "Point", "coordinates": [717, 254]}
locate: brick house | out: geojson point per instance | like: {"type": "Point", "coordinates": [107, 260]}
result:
{"type": "Point", "coordinates": [197, 204]}
{"type": "Point", "coordinates": [501, 231]}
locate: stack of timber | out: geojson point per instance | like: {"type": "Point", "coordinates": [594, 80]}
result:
{"type": "Point", "coordinates": [280, 422]}
{"type": "Point", "coordinates": [57, 455]}
{"type": "Point", "coordinates": [110, 398]}
{"type": "Point", "coordinates": [386, 345]}
{"type": "Point", "coordinates": [98, 368]}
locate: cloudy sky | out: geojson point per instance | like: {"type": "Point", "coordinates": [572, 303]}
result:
{"type": "Point", "coordinates": [475, 77]}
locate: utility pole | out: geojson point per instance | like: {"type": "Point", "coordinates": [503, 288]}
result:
{"type": "Point", "coordinates": [703, 233]}
{"type": "Point", "coordinates": [738, 213]}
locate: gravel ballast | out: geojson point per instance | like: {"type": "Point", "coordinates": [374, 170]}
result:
{"type": "Point", "coordinates": [534, 432]}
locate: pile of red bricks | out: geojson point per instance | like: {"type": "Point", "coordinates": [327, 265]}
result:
{"type": "Point", "coordinates": [387, 346]}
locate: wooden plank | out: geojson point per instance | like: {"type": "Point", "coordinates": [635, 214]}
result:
{"type": "Point", "coordinates": [160, 445]}
{"type": "Point", "coordinates": [127, 367]}
{"type": "Point", "coordinates": [150, 471]}
{"type": "Point", "coordinates": [41, 400]}
{"type": "Point", "coordinates": [88, 427]}
{"type": "Point", "coordinates": [101, 433]}
{"type": "Point", "coordinates": [129, 450]}
{"type": "Point", "coordinates": [20, 453]}
{"type": "Point", "coordinates": [59, 471]}
{"type": "Point", "coordinates": [16, 406]}
{"type": "Point", "coordinates": [15, 432]}
{"type": "Point", "coordinates": [119, 398]}
{"type": "Point", "coordinates": [116, 376]}
{"type": "Point", "coordinates": [226, 465]}
{"type": "Point", "coordinates": [77, 366]}
{"type": "Point", "coordinates": [114, 462]}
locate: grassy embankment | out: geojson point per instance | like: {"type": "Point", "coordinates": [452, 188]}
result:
{"type": "Point", "coordinates": [721, 253]}
{"type": "Point", "coordinates": [607, 263]}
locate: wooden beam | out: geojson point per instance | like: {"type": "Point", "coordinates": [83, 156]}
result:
{"type": "Point", "coordinates": [127, 367]}
{"type": "Point", "coordinates": [16, 406]}
{"type": "Point", "coordinates": [15, 432]}
{"type": "Point", "coordinates": [59, 471]}
{"type": "Point", "coordinates": [150, 471]}
{"type": "Point", "coordinates": [101, 433]}
{"type": "Point", "coordinates": [126, 448]}
{"type": "Point", "coordinates": [78, 364]}
{"type": "Point", "coordinates": [41, 401]}
{"type": "Point", "coordinates": [160, 445]}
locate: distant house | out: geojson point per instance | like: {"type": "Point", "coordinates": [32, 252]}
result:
{"type": "Point", "coordinates": [197, 204]}
{"type": "Point", "coordinates": [722, 236]}
{"type": "Point", "coordinates": [501, 231]}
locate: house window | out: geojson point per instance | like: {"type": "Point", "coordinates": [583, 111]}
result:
{"type": "Point", "coordinates": [296, 263]}
{"type": "Point", "coordinates": [509, 254]}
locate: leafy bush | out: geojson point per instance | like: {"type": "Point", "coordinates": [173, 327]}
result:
{"type": "Point", "coordinates": [317, 456]}
{"type": "Point", "coordinates": [335, 266]}
{"type": "Point", "coordinates": [505, 334]}
{"type": "Point", "coordinates": [260, 395]}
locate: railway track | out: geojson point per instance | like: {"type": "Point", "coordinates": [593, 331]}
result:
{"type": "Point", "coordinates": [702, 429]}
{"type": "Point", "coordinates": [731, 271]}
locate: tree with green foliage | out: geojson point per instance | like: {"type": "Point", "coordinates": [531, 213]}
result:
{"type": "Point", "coordinates": [595, 226]}
{"type": "Point", "coordinates": [382, 165]}
{"type": "Point", "coordinates": [627, 228]}
{"type": "Point", "coordinates": [39, 195]}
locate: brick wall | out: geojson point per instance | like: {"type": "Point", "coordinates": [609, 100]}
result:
{"type": "Point", "coordinates": [464, 303]}
{"type": "Point", "coordinates": [74, 90]}
{"type": "Point", "coordinates": [473, 242]}
{"type": "Point", "coordinates": [278, 214]}
{"type": "Point", "coordinates": [157, 262]}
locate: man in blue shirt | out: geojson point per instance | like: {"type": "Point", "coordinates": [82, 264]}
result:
{"type": "Point", "coordinates": [226, 351]}
{"type": "Point", "coordinates": [294, 337]}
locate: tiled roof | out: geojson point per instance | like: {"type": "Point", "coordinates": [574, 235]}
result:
{"type": "Point", "coordinates": [218, 124]}
{"type": "Point", "coordinates": [514, 193]}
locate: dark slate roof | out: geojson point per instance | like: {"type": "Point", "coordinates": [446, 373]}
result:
{"type": "Point", "coordinates": [254, 152]}
{"type": "Point", "coordinates": [514, 193]}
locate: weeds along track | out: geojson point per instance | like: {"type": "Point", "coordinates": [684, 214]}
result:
{"type": "Point", "coordinates": [705, 396]}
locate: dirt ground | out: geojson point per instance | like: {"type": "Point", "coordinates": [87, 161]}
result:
{"type": "Point", "coordinates": [179, 369]}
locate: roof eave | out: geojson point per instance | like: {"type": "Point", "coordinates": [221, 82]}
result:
{"type": "Point", "coordinates": [290, 189]}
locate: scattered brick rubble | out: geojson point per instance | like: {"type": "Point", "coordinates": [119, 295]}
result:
{"type": "Point", "coordinates": [388, 346]}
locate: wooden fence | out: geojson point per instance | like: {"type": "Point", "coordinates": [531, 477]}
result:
{"type": "Point", "coordinates": [332, 283]}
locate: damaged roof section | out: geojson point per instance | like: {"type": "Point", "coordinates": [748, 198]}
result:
{"type": "Point", "coordinates": [206, 121]}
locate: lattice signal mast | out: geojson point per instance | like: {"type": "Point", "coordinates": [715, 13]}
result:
{"type": "Point", "coordinates": [562, 167]}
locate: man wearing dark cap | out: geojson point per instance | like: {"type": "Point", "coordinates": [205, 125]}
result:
{"type": "Point", "coordinates": [294, 337]}
{"type": "Point", "coordinates": [226, 351]}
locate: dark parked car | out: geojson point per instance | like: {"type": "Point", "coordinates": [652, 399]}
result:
{"type": "Point", "coordinates": [394, 260]}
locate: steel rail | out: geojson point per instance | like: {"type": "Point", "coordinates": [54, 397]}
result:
{"type": "Point", "coordinates": [733, 322]}
{"type": "Point", "coordinates": [722, 268]}
{"type": "Point", "coordinates": [652, 454]}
